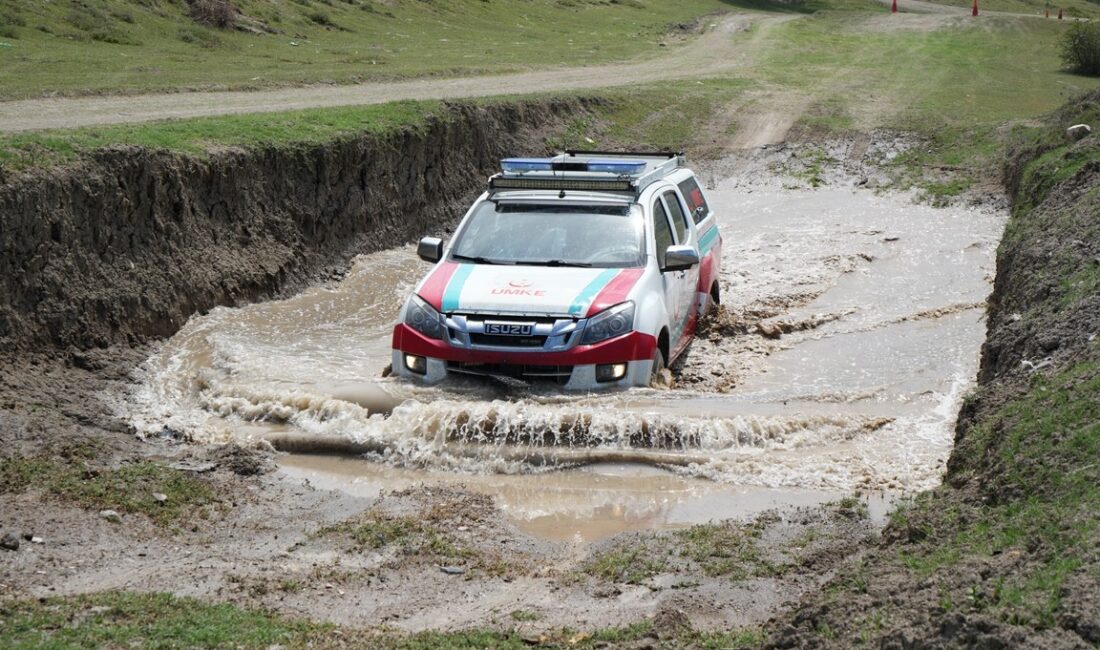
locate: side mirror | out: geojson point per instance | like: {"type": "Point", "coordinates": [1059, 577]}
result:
{"type": "Point", "coordinates": [680, 258]}
{"type": "Point", "coordinates": [430, 249]}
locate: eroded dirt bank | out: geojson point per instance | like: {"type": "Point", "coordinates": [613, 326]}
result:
{"type": "Point", "coordinates": [125, 247]}
{"type": "Point", "coordinates": [1006, 553]}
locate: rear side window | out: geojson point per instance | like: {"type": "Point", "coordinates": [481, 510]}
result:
{"type": "Point", "coordinates": [697, 205]}
{"type": "Point", "coordinates": [662, 234]}
{"type": "Point", "coordinates": [677, 214]}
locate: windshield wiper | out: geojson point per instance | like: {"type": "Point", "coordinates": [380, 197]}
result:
{"type": "Point", "coordinates": [552, 263]}
{"type": "Point", "coordinates": [478, 260]}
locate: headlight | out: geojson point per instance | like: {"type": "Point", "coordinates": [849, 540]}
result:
{"type": "Point", "coordinates": [423, 318]}
{"type": "Point", "coordinates": [609, 323]}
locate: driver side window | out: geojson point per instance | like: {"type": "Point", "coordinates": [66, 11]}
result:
{"type": "Point", "coordinates": [662, 233]}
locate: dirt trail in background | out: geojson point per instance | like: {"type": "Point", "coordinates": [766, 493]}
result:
{"type": "Point", "coordinates": [714, 52]}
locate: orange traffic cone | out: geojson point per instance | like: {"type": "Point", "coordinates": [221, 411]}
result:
{"type": "Point", "coordinates": [894, 7]}
{"type": "Point", "coordinates": [974, 9]}
{"type": "Point", "coordinates": [1059, 14]}
{"type": "Point", "coordinates": [1047, 14]}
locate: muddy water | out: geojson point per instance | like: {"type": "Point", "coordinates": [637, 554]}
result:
{"type": "Point", "coordinates": [883, 299]}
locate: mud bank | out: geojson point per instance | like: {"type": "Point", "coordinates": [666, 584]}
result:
{"type": "Point", "coordinates": [1006, 552]}
{"type": "Point", "coordinates": [124, 247]}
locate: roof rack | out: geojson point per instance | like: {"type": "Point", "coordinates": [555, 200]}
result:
{"type": "Point", "coordinates": [606, 171]}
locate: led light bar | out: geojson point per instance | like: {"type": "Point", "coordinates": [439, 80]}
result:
{"type": "Point", "coordinates": [543, 183]}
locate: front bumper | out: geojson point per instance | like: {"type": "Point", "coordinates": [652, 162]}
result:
{"type": "Point", "coordinates": [574, 368]}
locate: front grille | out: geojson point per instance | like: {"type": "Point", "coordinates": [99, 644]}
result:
{"type": "Point", "coordinates": [508, 341]}
{"type": "Point", "coordinates": [560, 374]}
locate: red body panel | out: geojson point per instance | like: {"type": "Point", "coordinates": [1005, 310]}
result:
{"type": "Point", "coordinates": [616, 291]}
{"type": "Point", "coordinates": [634, 346]}
{"type": "Point", "coordinates": [436, 284]}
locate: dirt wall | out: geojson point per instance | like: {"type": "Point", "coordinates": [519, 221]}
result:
{"type": "Point", "coordinates": [125, 246]}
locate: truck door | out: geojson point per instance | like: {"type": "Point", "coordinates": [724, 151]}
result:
{"type": "Point", "coordinates": [685, 282]}
{"type": "Point", "coordinates": [663, 238]}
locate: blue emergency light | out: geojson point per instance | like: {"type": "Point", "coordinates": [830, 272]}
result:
{"type": "Point", "coordinates": [626, 167]}
{"type": "Point", "coordinates": [619, 167]}
{"type": "Point", "coordinates": [520, 165]}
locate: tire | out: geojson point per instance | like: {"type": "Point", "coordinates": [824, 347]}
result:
{"type": "Point", "coordinates": [658, 366]}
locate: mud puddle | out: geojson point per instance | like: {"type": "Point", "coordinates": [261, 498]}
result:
{"type": "Point", "coordinates": [878, 301]}
{"type": "Point", "coordinates": [586, 504]}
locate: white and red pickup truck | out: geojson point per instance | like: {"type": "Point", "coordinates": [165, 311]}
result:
{"type": "Point", "coordinates": [590, 269]}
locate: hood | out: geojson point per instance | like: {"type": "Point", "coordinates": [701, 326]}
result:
{"type": "Point", "coordinates": [501, 289]}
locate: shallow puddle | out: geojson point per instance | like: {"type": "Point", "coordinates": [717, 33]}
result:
{"type": "Point", "coordinates": [864, 398]}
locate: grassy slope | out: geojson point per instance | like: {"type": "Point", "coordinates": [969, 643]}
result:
{"type": "Point", "coordinates": [126, 46]}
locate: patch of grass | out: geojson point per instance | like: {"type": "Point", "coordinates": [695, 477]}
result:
{"type": "Point", "coordinates": [523, 615]}
{"type": "Point", "coordinates": [853, 507]}
{"type": "Point", "coordinates": [409, 535]}
{"type": "Point", "coordinates": [127, 489]}
{"type": "Point", "coordinates": [666, 116]}
{"type": "Point", "coordinates": [726, 549]}
{"type": "Point", "coordinates": [130, 46]}
{"type": "Point", "coordinates": [123, 620]}
{"type": "Point", "coordinates": [630, 563]}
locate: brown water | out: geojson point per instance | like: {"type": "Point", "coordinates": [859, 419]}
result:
{"type": "Point", "coordinates": [866, 400]}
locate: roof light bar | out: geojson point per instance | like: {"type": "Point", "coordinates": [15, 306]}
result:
{"type": "Point", "coordinates": [543, 183]}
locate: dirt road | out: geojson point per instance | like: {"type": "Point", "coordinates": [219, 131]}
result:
{"type": "Point", "coordinates": [717, 50]}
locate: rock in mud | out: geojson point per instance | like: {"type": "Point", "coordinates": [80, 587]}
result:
{"type": "Point", "coordinates": [111, 516]}
{"type": "Point", "coordinates": [452, 570]}
{"type": "Point", "coordinates": [160, 497]}
{"type": "Point", "coordinates": [1078, 131]}
{"type": "Point", "coordinates": [9, 542]}
{"type": "Point", "coordinates": [769, 330]}
{"type": "Point", "coordinates": [242, 461]}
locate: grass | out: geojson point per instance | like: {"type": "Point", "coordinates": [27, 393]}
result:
{"type": "Point", "coordinates": [662, 117]}
{"type": "Point", "coordinates": [163, 621]}
{"type": "Point", "coordinates": [408, 535]}
{"type": "Point", "coordinates": [130, 46]}
{"type": "Point", "coordinates": [127, 489]}
{"type": "Point", "coordinates": [144, 620]}
{"type": "Point", "coordinates": [625, 562]}
{"type": "Point", "coordinates": [726, 549]}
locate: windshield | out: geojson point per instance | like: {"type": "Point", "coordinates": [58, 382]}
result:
{"type": "Point", "coordinates": [552, 235]}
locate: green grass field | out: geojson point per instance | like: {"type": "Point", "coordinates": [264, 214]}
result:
{"type": "Point", "coordinates": [129, 46]}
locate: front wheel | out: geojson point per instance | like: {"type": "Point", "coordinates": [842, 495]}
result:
{"type": "Point", "coordinates": [659, 376]}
